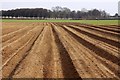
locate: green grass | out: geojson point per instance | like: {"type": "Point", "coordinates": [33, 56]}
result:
{"type": "Point", "coordinates": [94, 22]}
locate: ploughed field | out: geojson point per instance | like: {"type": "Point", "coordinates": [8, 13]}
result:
{"type": "Point", "coordinates": [60, 50]}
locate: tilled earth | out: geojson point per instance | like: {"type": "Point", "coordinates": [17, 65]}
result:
{"type": "Point", "coordinates": [60, 50]}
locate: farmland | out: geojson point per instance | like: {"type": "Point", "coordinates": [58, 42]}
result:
{"type": "Point", "coordinates": [93, 22]}
{"type": "Point", "coordinates": [60, 50]}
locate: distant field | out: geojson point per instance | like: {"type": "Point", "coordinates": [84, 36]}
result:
{"type": "Point", "coordinates": [94, 22]}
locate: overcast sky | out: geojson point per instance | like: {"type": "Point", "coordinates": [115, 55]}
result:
{"type": "Point", "coordinates": [110, 6]}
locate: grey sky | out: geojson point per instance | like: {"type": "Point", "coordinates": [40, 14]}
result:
{"type": "Point", "coordinates": [110, 6]}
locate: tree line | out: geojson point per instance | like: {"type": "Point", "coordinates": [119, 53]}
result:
{"type": "Point", "coordinates": [55, 13]}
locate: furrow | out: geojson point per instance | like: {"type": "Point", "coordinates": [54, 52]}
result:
{"type": "Point", "coordinates": [60, 50]}
{"type": "Point", "coordinates": [16, 36]}
{"type": "Point", "coordinates": [8, 50]}
{"type": "Point", "coordinates": [48, 66]}
{"type": "Point", "coordinates": [98, 29]}
{"type": "Point", "coordinates": [68, 68]}
{"type": "Point", "coordinates": [9, 28]}
{"type": "Point", "coordinates": [108, 29]}
{"type": "Point", "coordinates": [95, 36]}
{"type": "Point", "coordinates": [79, 61]}
{"type": "Point", "coordinates": [101, 52]}
{"type": "Point", "coordinates": [58, 72]}
{"type": "Point", "coordinates": [102, 33]}
{"type": "Point", "coordinates": [44, 58]}
{"type": "Point", "coordinates": [32, 65]}
{"type": "Point", "coordinates": [10, 35]}
{"type": "Point", "coordinates": [9, 66]}
{"type": "Point", "coordinates": [107, 63]}
{"type": "Point", "coordinates": [103, 28]}
{"type": "Point", "coordinates": [113, 50]}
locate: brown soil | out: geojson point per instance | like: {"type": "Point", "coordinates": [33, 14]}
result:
{"type": "Point", "coordinates": [60, 50]}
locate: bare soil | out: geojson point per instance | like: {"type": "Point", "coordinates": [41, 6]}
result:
{"type": "Point", "coordinates": [60, 50]}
